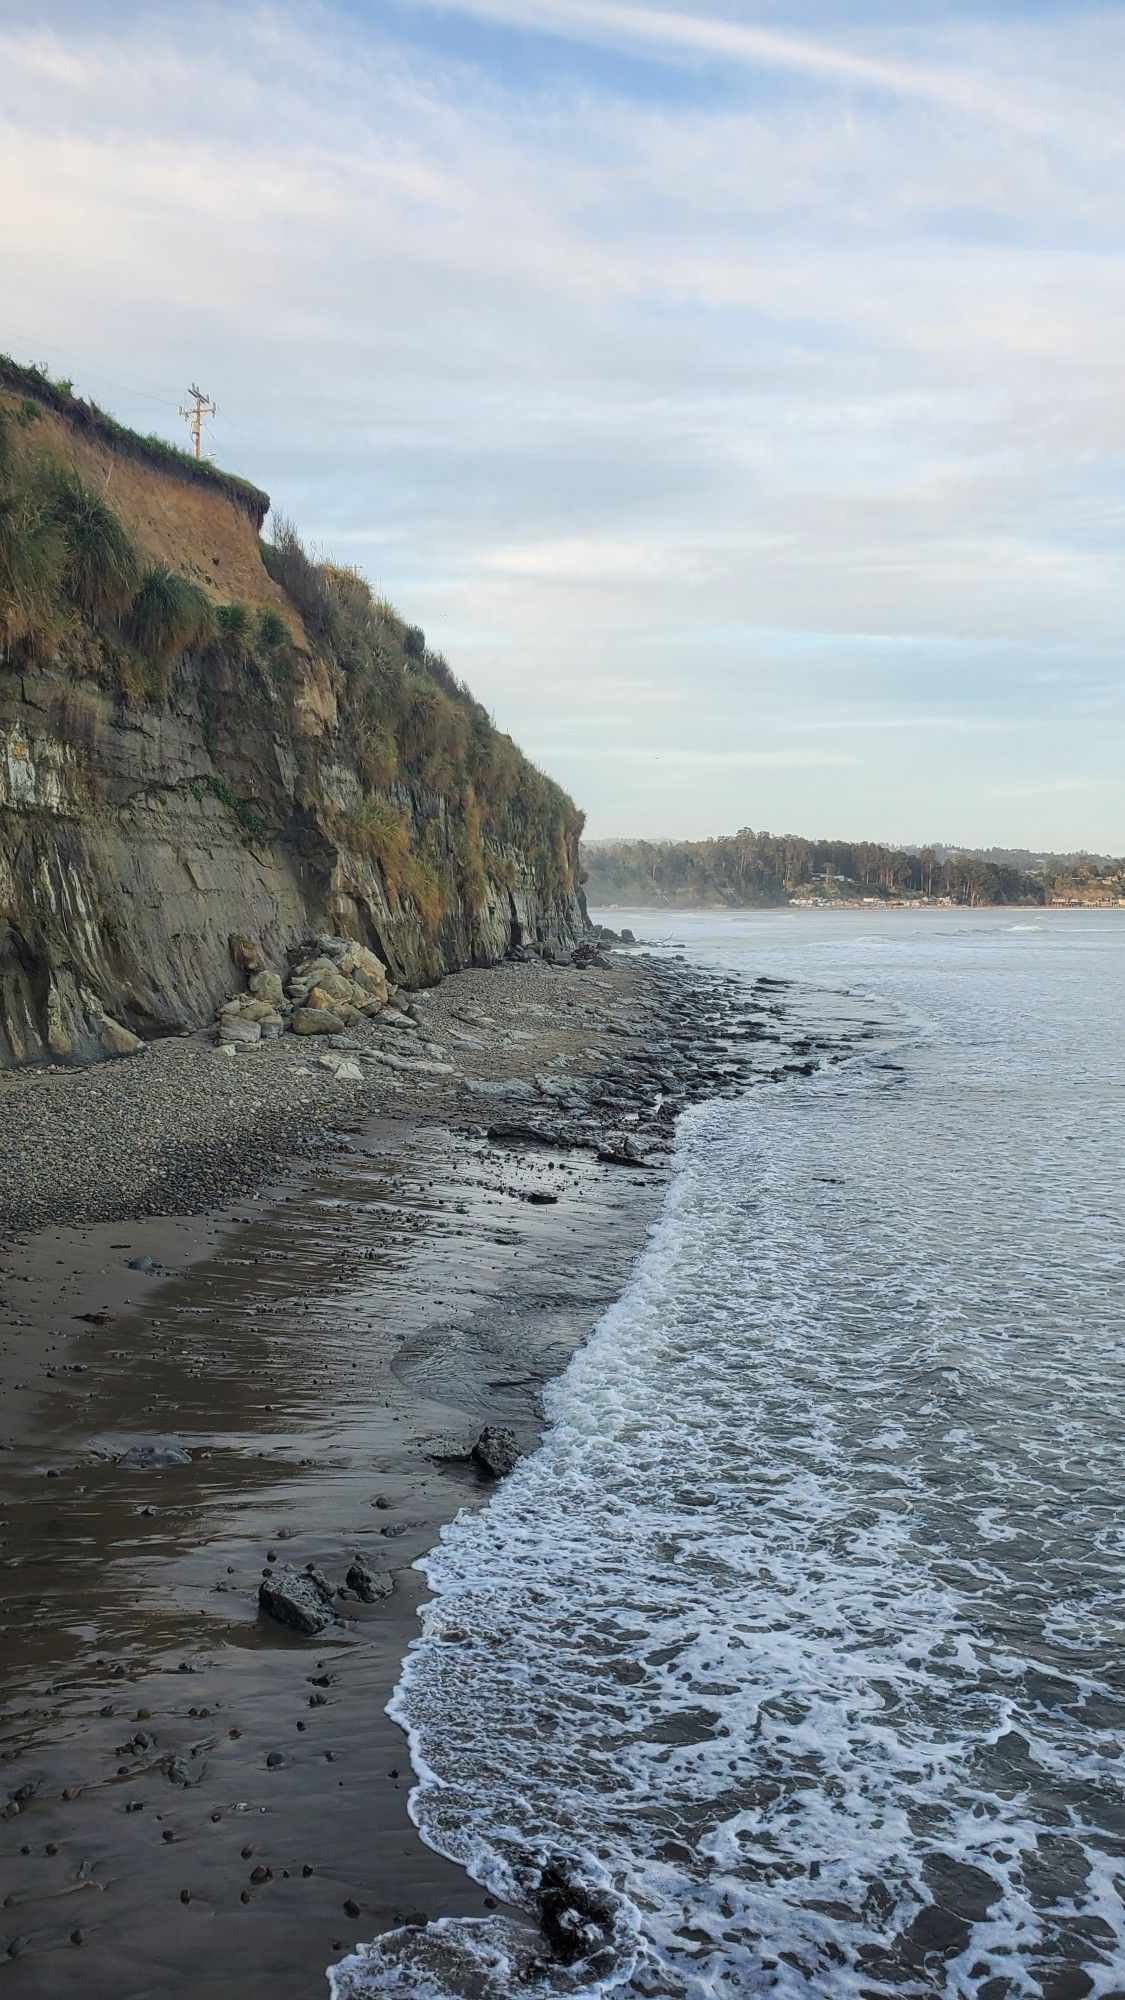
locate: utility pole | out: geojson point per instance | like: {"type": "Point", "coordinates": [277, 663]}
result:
{"type": "Point", "coordinates": [194, 412]}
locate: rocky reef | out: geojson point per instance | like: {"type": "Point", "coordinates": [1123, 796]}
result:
{"type": "Point", "coordinates": [206, 738]}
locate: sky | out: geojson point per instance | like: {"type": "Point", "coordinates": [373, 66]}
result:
{"type": "Point", "coordinates": [734, 392]}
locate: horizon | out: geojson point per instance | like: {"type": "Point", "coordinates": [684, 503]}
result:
{"type": "Point", "coordinates": [947, 847]}
{"type": "Point", "coordinates": [732, 393]}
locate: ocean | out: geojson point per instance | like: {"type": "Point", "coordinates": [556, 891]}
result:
{"type": "Point", "coordinates": [803, 1632]}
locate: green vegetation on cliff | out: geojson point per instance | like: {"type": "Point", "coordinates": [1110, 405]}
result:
{"type": "Point", "coordinates": [39, 389]}
{"type": "Point", "coordinates": [74, 588]}
{"type": "Point", "coordinates": [206, 736]}
{"type": "Point", "coordinates": [749, 870]}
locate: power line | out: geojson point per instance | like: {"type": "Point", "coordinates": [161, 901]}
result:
{"type": "Point", "coordinates": [194, 413]}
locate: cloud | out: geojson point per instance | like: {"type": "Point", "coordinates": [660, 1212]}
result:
{"type": "Point", "coordinates": [702, 419]}
{"type": "Point", "coordinates": [675, 31]}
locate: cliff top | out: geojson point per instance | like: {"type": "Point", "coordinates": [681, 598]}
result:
{"type": "Point", "coordinates": [96, 423]}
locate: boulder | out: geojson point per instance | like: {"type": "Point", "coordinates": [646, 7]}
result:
{"type": "Point", "coordinates": [497, 1451]}
{"type": "Point", "coordinates": [365, 970]}
{"type": "Point", "coordinates": [369, 1584]}
{"type": "Point", "coordinates": [344, 1068]}
{"type": "Point", "coordinates": [316, 1021]}
{"type": "Point", "coordinates": [239, 1033]}
{"type": "Point", "coordinates": [296, 1601]}
{"type": "Point", "coordinates": [328, 1002]}
{"type": "Point", "coordinates": [246, 954]}
{"type": "Point", "coordinates": [116, 1040]}
{"type": "Point", "coordinates": [267, 986]}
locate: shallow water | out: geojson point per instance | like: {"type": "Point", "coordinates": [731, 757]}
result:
{"type": "Point", "coordinates": [804, 1628]}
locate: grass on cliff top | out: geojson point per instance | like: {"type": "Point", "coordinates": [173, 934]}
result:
{"type": "Point", "coordinates": [57, 393]}
{"type": "Point", "coordinates": [68, 567]}
{"type": "Point", "coordinates": [442, 797]}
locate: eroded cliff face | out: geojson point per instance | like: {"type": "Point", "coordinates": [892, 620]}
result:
{"type": "Point", "coordinates": [138, 837]}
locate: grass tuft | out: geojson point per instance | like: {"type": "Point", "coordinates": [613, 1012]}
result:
{"type": "Point", "coordinates": [167, 616]}
{"type": "Point", "coordinates": [100, 567]}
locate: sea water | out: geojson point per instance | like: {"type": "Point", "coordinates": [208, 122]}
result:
{"type": "Point", "coordinates": [804, 1630]}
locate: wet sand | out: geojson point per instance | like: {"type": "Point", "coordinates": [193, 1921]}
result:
{"type": "Point", "coordinates": [311, 1352]}
{"type": "Point", "coordinates": [326, 1353]}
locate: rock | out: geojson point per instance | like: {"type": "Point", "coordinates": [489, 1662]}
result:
{"type": "Point", "coordinates": [142, 1264]}
{"type": "Point", "coordinates": [275, 1760]}
{"type": "Point", "coordinates": [116, 1040]}
{"type": "Point", "coordinates": [516, 1088]}
{"type": "Point", "coordinates": [187, 1770]}
{"type": "Point", "coordinates": [324, 1001]}
{"type": "Point", "coordinates": [297, 1601]}
{"type": "Point", "coordinates": [497, 1451]}
{"type": "Point", "coordinates": [358, 962]}
{"type": "Point", "coordinates": [259, 1010]}
{"type": "Point", "coordinates": [577, 1919]}
{"type": "Point", "coordinates": [410, 1064]}
{"type": "Point", "coordinates": [627, 937]}
{"type": "Point", "coordinates": [268, 986]}
{"type": "Point", "coordinates": [586, 955]}
{"type": "Point", "coordinates": [369, 1584]}
{"type": "Point", "coordinates": [234, 1032]}
{"type": "Point", "coordinates": [150, 1457]}
{"type": "Point", "coordinates": [316, 1021]}
{"type": "Point", "coordinates": [340, 1066]}
{"type": "Point", "coordinates": [624, 1152]}
{"type": "Point", "coordinates": [246, 954]}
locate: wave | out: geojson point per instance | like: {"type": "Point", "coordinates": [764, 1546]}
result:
{"type": "Point", "coordinates": [797, 1638]}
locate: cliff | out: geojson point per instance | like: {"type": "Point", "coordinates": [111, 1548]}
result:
{"type": "Point", "coordinates": [205, 737]}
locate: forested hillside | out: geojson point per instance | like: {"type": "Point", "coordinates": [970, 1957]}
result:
{"type": "Point", "coordinates": [754, 870]}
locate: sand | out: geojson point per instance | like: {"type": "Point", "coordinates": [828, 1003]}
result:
{"type": "Point", "coordinates": [319, 1350]}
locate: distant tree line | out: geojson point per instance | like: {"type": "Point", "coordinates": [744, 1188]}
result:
{"type": "Point", "coordinates": [751, 870]}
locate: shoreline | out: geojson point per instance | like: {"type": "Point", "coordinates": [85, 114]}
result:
{"type": "Point", "coordinates": [317, 1352]}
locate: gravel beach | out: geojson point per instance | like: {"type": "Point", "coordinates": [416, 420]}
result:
{"type": "Point", "coordinates": [256, 1319]}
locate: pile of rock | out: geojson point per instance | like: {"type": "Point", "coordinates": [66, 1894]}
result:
{"type": "Point", "coordinates": [332, 982]}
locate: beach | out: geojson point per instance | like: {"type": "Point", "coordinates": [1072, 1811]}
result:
{"type": "Point", "coordinates": [274, 1351]}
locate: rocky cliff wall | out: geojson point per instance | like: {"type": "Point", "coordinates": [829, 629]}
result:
{"type": "Point", "coordinates": [141, 832]}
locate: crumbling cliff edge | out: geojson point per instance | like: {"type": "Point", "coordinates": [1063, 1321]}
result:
{"type": "Point", "coordinates": [206, 737]}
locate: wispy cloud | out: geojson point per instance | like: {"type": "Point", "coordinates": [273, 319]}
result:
{"type": "Point", "coordinates": [767, 391]}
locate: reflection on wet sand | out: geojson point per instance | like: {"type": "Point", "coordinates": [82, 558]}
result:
{"type": "Point", "coordinates": [201, 1797]}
